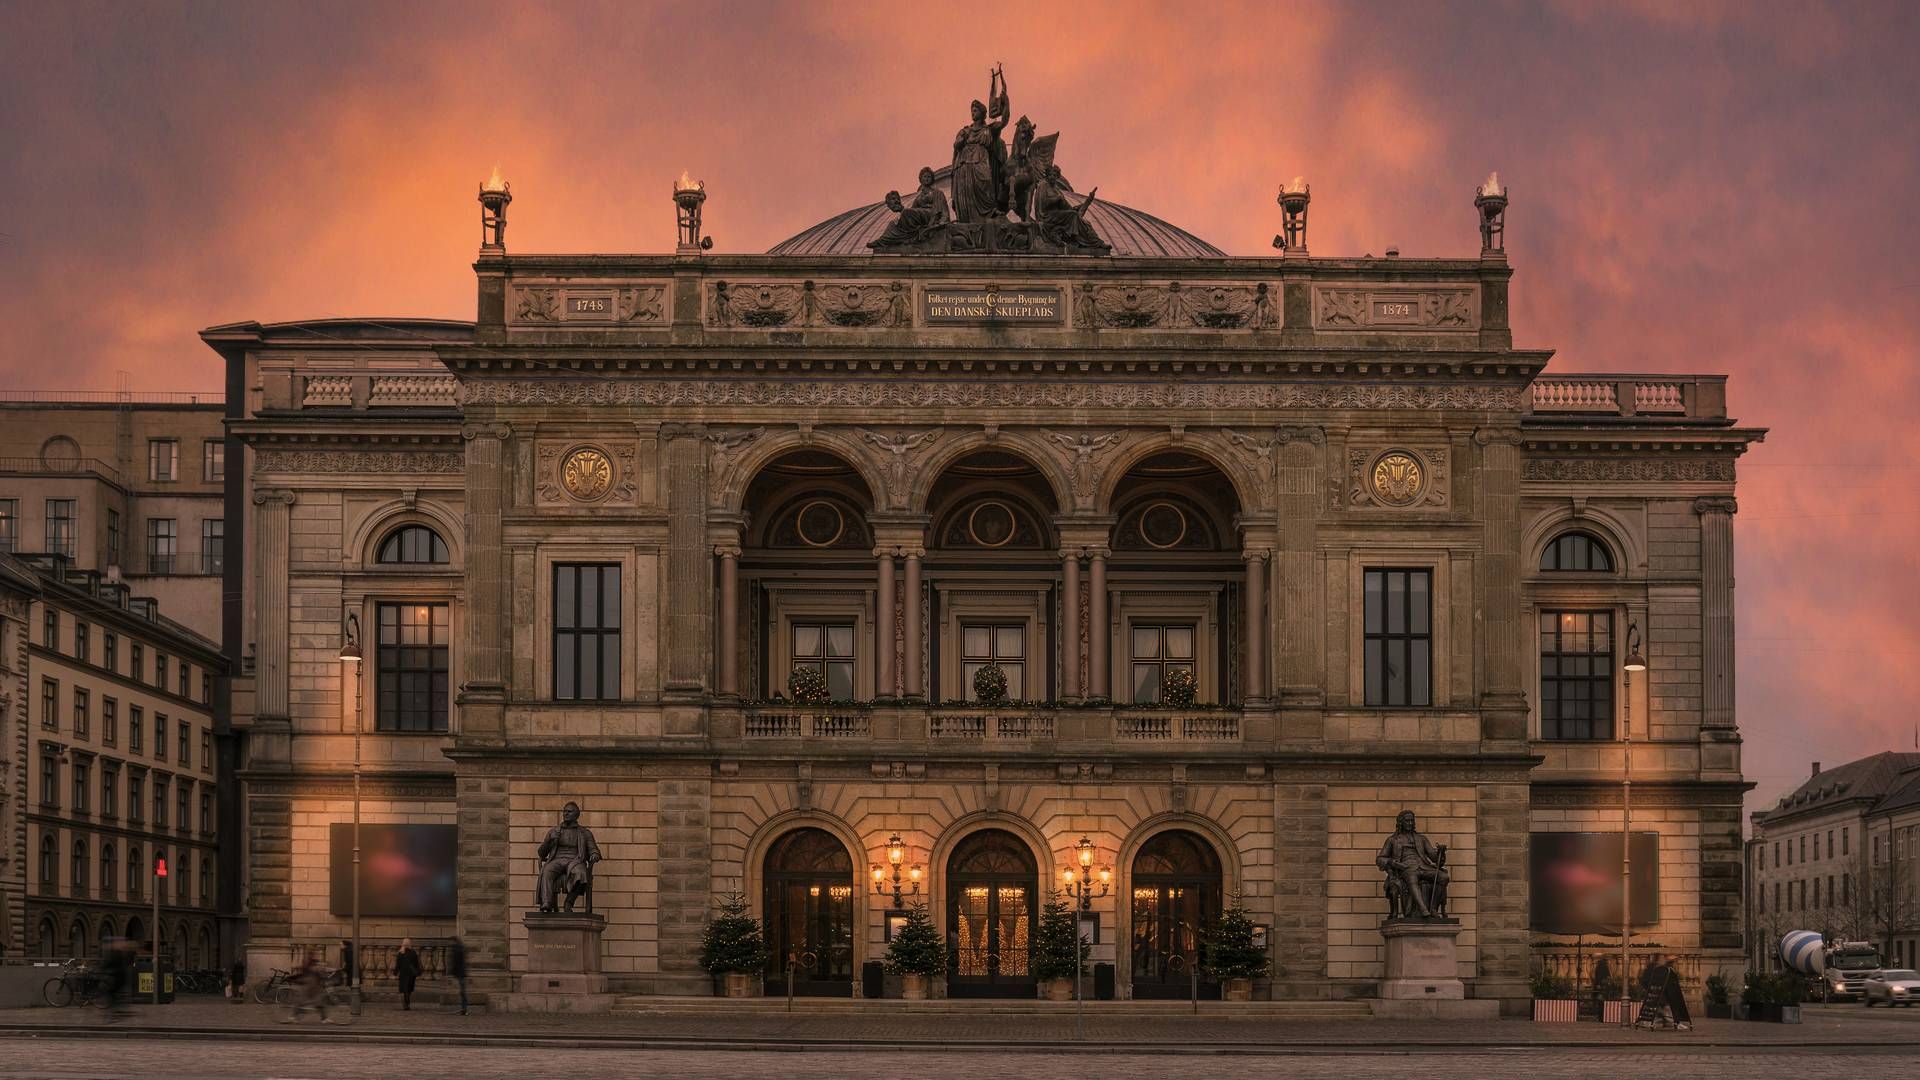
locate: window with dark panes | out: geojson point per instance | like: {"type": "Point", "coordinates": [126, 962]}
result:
{"type": "Point", "coordinates": [109, 721]}
{"type": "Point", "coordinates": [213, 545]}
{"type": "Point", "coordinates": [110, 650]}
{"type": "Point", "coordinates": [82, 642]}
{"type": "Point", "coordinates": [827, 647]}
{"type": "Point", "coordinates": [9, 525]}
{"type": "Point", "coordinates": [137, 667]}
{"type": "Point", "coordinates": [1398, 637]}
{"type": "Point", "coordinates": [160, 736]}
{"type": "Point", "coordinates": [206, 687]}
{"type": "Point", "coordinates": [49, 780]}
{"type": "Point", "coordinates": [80, 872]}
{"type": "Point", "coordinates": [109, 791]}
{"type": "Point", "coordinates": [186, 680]}
{"type": "Point", "coordinates": [1576, 552]}
{"type": "Point", "coordinates": [113, 537]}
{"type": "Point", "coordinates": [185, 755]}
{"type": "Point", "coordinates": [160, 670]}
{"type": "Point", "coordinates": [136, 788]}
{"type": "Point", "coordinates": [1576, 675]}
{"type": "Point", "coordinates": [109, 868]}
{"type": "Point", "coordinates": [50, 629]}
{"type": "Point", "coordinates": [163, 544]}
{"type": "Point", "coordinates": [49, 865]}
{"type": "Point", "coordinates": [163, 459]}
{"type": "Point", "coordinates": [49, 705]}
{"type": "Point", "coordinates": [586, 632]}
{"type": "Point", "coordinates": [159, 802]}
{"type": "Point", "coordinates": [411, 672]}
{"type": "Point", "coordinates": [206, 750]}
{"type": "Point", "coordinates": [82, 787]}
{"type": "Point", "coordinates": [82, 711]}
{"type": "Point", "coordinates": [213, 466]}
{"type": "Point", "coordinates": [412, 544]}
{"type": "Point", "coordinates": [206, 880]}
{"type": "Point", "coordinates": [63, 528]}
{"type": "Point", "coordinates": [135, 723]}
{"type": "Point", "coordinates": [136, 872]}
{"type": "Point", "coordinates": [1004, 644]}
{"type": "Point", "coordinates": [206, 809]}
{"type": "Point", "coordinates": [1157, 650]}
{"type": "Point", "coordinates": [183, 805]}
{"type": "Point", "coordinates": [180, 880]}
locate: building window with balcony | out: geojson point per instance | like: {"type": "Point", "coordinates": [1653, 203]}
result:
{"type": "Point", "coordinates": [411, 676]}
{"type": "Point", "coordinates": [109, 792]}
{"type": "Point", "coordinates": [136, 723]}
{"type": "Point", "coordinates": [9, 525]}
{"type": "Point", "coordinates": [828, 648]}
{"type": "Point", "coordinates": [49, 781]}
{"type": "Point", "coordinates": [163, 545]}
{"type": "Point", "coordinates": [163, 459]}
{"type": "Point", "coordinates": [49, 705]}
{"type": "Point", "coordinates": [135, 789]}
{"type": "Point", "coordinates": [213, 466]}
{"type": "Point", "coordinates": [412, 544]}
{"type": "Point", "coordinates": [82, 708]}
{"type": "Point", "coordinates": [1576, 675]}
{"type": "Point", "coordinates": [1158, 651]}
{"type": "Point", "coordinates": [63, 531]}
{"type": "Point", "coordinates": [113, 537]}
{"type": "Point", "coordinates": [213, 545]}
{"type": "Point", "coordinates": [160, 736]}
{"type": "Point", "coordinates": [586, 632]}
{"type": "Point", "coordinates": [1398, 638]}
{"type": "Point", "coordinates": [82, 787]}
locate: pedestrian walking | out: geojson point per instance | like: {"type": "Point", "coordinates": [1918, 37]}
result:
{"type": "Point", "coordinates": [116, 970]}
{"type": "Point", "coordinates": [307, 989]}
{"type": "Point", "coordinates": [457, 968]}
{"type": "Point", "coordinates": [406, 969]}
{"type": "Point", "coordinates": [1676, 998]}
{"type": "Point", "coordinates": [237, 981]}
{"type": "Point", "coordinates": [345, 975]}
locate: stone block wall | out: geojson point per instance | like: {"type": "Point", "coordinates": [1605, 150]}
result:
{"type": "Point", "coordinates": [1680, 864]}
{"type": "Point", "coordinates": [308, 889]}
{"type": "Point", "coordinates": [627, 888]}
{"type": "Point", "coordinates": [1359, 819]}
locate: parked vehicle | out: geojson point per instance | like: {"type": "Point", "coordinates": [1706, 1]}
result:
{"type": "Point", "coordinates": [1835, 970]}
{"type": "Point", "coordinates": [1895, 986]}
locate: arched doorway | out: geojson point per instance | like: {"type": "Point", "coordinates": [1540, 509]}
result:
{"type": "Point", "coordinates": [1176, 894]}
{"type": "Point", "coordinates": [49, 936]}
{"type": "Point", "coordinates": [993, 898]}
{"type": "Point", "coordinates": [808, 902]}
{"type": "Point", "coordinates": [105, 936]}
{"type": "Point", "coordinates": [137, 931]}
{"type": "Point", "coordinates": [77, 944]}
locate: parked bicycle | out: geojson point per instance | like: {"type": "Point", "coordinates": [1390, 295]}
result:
{"type": "Point", "coordinates": [78, 983]}
{"type": "Point", "coordinates": [268, 991]}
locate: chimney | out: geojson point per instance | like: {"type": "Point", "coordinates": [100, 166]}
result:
{"type": "Point", "coordinates": [1816, 769]}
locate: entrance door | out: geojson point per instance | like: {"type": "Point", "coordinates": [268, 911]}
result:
{"type": "Point", "coordinates": [992, 894]}
{"type": "Point", "coordinates": [808, 903]}
{"type": "Point", "coordinates": [1176, 895]}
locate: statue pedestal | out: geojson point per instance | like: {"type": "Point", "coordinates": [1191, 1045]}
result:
{"type": "Point", "coordinates": [1423, 980]}
{"type": "Point", "coordinates": [563, 965]}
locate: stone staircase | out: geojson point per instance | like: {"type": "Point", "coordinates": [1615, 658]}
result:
{"type": "Point", "coordinates": [651, 1005]}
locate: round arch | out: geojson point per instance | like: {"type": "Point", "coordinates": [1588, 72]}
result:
{"type": "Point", "coordinates": [1247, 489]}
{"type": "Point", "coordinates": [1019, 445]}
{"type": "Point", "coordinates": [1224, 849]}
{"type": "Point", "coordinates": [375, 524]}
{"type": "Point", "coordinates": [136, 931]}
{"type": "Point", "coordinates": [104, 933]}
{"type": "Point", "coordinates": [1608, 527]}
{"type": "Point", "coordinates": [958, 830]}
{"type": "Point", "coordinates": [772, 445]}
{"type": "Point", "coordinates": [79, 937]}
{"type": "Point", "coordinates": [49, 936]}
{"type": "Point", "coordinates": [760, 844]}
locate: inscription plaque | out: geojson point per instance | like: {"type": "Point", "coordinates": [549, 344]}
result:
{"type": "Point", "coordinates": [1396, 310]}
{"type": "Point", "coordinates": [591, 306]}
{"type": "Point", "coordinates": [970, 305]}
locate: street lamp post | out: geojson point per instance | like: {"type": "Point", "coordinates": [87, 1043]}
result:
{"type": "Point", "coordinates": [896, 858]}
{"type": "Point", "coordinates": [1635, 662]}
{"type": "Point", "coordinates": [1079, 887]}
{"type": "Point", "coordinates": [350, 655]}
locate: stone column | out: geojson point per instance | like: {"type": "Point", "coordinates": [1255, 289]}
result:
{"type": "Point", "coordinates": [1503, 698]}
{"type": "Point", "coordinates": [689, 580]}
{"type": "Point", "coordinates": [1097, 644]}
{"type": "Point", "coordinates": [1070, 624]}
{"type": "Point", "coordinates": [729, 617]}
{"type": "Point", "coordinates": [916, 671]}
{"type": "Point", "coordinates": [1256, 624]}
{"type": "Point", "coordinates": [1298, 597]}
{"type": "Point", "coordinates": [883, 625]}
{"type": "Point", "coordinates": [273, 526]}
{"type": "Point", "coordinates": [1716, 609]}
{"type": "Point", "coordinates": [483, 693]}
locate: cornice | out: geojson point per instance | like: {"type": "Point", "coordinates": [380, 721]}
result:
{"type": "Point", "coordinates": [827, 353]}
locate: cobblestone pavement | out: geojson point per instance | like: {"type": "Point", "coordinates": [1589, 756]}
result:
{"type": "Point", "coordinates": [148, 1059]}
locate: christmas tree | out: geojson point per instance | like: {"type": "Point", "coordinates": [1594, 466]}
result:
{"type": "Point", "coordinates": [917, 948]}
{"type": "Point", "coordinates": [733, 942]}
{"type": "Point", "coordinates": [1231, 952]}
{"type": "Point", "coordinates": [1056, 947]}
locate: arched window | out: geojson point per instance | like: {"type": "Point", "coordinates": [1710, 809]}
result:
{"type": "Point", "coordinates": [49, 866]}
{"type": "Point", "coordinates": [82, 873]}
{"type": "Point", "coordinates": [77, 938]}
{"type": "Point", "coordinates": [105, 935]}
{"type": "Point", "coordinates": [135, 873]}
{"type": "Point", "coordinates": [108, 867]}
{"type": "Point", "coordinates": [412, 544]}
{"type": "Point", "coordinates": [1576, 552]}
{"type": "Point", "coordinates": [206, 880]}
{"type": "Point", "coordinates": [136, 930]}
{"type": "Point", "coordinates": [49, 936]}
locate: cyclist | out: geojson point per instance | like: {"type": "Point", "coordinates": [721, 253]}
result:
{"type": "Point", "coordinates": [307, 989]}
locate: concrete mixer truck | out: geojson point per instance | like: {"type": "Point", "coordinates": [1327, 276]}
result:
{"type": "Point", "coordinates": [1836, 970]}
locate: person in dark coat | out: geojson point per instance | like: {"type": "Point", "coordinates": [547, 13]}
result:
{"type": "Point", "coordinates": [344, 976]}
{"type": "Point", "coordinates": [116, 971]}
{"type": "Point", "coordinates": [457, 968]}
{"type": "Point", "coordinates": [406, 969]}
{"type": "Point", "coordinates": [1676, 999]}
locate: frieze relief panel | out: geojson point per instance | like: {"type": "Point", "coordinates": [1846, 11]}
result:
{"type": "Point", "coordinates": [572, 472]}
{"type": "Point", "coordinates": [1399, 477]}
{"type": "Point", "coordinates": [1173, 306]}
{"type": "Point", "coordinates": [772, 305]}
{"type": "Point", "coordinates": [587, 305]}
{"type": "Point", "coordinates": [1368, 308]}
{"type": "Point", "coordinates": [1634, 468]}
{"type": "Point", "coordinates": [401, 462]}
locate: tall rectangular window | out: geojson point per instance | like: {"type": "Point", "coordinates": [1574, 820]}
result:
{"type": "Point", "coordinates": [1576, 675]}
{"type": "Point", "coordinates": [49, 704]}
{"type": "Point", "coordinates": [163, 544]}
{"type": "Point", "coordinates": [109, 791]}
{"type": "Point", "coordinates": [82, 782]}
{"type": "Point", "coordinates": [183, 805]}
{"type": "Point", "coordinates": [113, 537]}
{"type": "Point", "coordinates": [159, 802]}
{"type": "Point", "coordinates": [412, 668]}
{"type": "Point", "coordinates": [586, 632]}
{"type": "Point", "coordinates": [159, 736]}
{"type": "Point", "coordinates": [138, 668]}
{"type": "Point", "coordinates": [213, 545]}
{"type": "Point", "coordinates": [63, 529]}
{"type": "Point", "coordinates": [82, 642]}
{"type": "Point", "coordinates": [185, 683]}
{"type": "Point", "coordinates": [9, 525]}
{"type": "Point", "coordinates": [109, 721]}
{"type": "Point", "coordinates": [981, 644]}
{"type": "Point", "coordinates": [1846, 841]}
{"type": "Point", "coordinates": [1159, 650]}
{"type": "Point", "coordinates": [50, 628]}
{"type": "Point", "coordinates": [82, 712]}
{"type": "Point", "coordinates": [206, 750]}
{"type": "Point", "coordinates": [184, 756]}
{"type": "Point", "coordinates": [828, 647]}
{"type": "Point", "coordinates": [111, 647]}
{"type": "Point", "coordinates": [49, 780]}
{"type": "Point", "coordinates": [206, 809]}
{"type": "Point", "coordinates": [136, 722]}
{"type": "Point", "coordinates": [135, 790]}
{"type": "Point", "coordinates": [1399, 637]}
{"type": "Point", "coordinates": [213, 460]}
{"type": "Point", "coordinates": [163, 459]}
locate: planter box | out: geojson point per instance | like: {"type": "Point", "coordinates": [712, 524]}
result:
{"type": "Point", "coordinates": [1789, 1014]}
{"type": "Point", "coordinates": [739, 984]}
{"type": "Point", "coordinates": [1762, 1013]}
{"type": "Point", "coordinates": [1556, 1011]}
{"type": "Point", "coordinates": [913, 987]}
{"type": "Point", "coordinates": [1720, 1012]}
{"type": "Point", "coordinates": [1237, 990]}
{"type": "Point", "coordinates": [1058, 989]}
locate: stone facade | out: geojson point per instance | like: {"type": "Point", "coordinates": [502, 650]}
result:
{"type": "Point", "coordinates": [790, 462]}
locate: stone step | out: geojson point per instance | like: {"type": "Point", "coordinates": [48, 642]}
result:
{"type": "Point", "coordinates": [648, 1005]}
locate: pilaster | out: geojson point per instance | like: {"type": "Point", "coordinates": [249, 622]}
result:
{"type": "Point", "coordinates": [688, 586]}
{"type": "Point", "coordinates": [1294, 593]}
{"type": "Point", "coordinates": [1716, 609]}
{"type": "Point", "coordinates": [483, 694]}
{"type": "Point", "coordinates": [1300, 839]}
{"type": "Point", "coordinates": [485, 903]}
{"type": "Point", "coordinates": [1503, 698]}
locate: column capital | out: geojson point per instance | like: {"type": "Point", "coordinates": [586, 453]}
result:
{"type": "Point", "coordinates": [1256, 554]}
{"type": "Point", "coordinates": [1296, 433]}
{"type": "Point", "coordinates": [469, 432]}
{"type": "Point", "coordinates": [277, 496]}
{"type": "Point", "coordinates": [1715, 504]}
{"type": "Point", "coordinates": [913, 551]}
{"type": "Point", "coordinates": [1505, 436]}
{"type": "Point", "coordinates": [727, 551]}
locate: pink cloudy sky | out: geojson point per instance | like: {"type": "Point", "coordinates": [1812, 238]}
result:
{"type": "Point", "coordinates": [1725, 187]}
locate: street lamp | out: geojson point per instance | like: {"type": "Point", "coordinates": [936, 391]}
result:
{"type": "Point", "coordinates": [1635, 662]}
{"type": "Point", "coordinates": [896, 856]}
{"type": "Point", "coordinates": [1079, 888]}
{"type": "Point", "coordinates": [350, 656]}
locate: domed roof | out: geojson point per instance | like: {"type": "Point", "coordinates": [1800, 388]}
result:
{"type": "Point", "coordinates": [1129, 231]}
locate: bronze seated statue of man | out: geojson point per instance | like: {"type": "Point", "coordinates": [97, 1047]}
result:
{"type": "Point", "coordinates": [1416, 870]}
{"type": "Point", "coordinates": [566, 859]}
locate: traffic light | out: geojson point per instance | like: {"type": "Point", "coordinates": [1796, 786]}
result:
{"type": "Point", "coordinates": [160, 866]}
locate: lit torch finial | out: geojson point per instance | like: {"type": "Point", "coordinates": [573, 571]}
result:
{"type": "Point", "coordinates": [495, 194]}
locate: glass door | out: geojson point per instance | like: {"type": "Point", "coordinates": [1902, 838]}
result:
{"type": "Point", "coordinates": [991, 895]}
{"type": "Point", "coordinates": [1176, 896]}
{"type": "Point", "coordinates": [808, 904]}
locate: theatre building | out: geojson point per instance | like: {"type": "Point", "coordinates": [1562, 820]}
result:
{"type": "Point", "coordinates": [587, 540]}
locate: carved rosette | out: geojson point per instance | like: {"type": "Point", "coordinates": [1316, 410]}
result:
{"type": "Point", "coordinates": [1398, 477]}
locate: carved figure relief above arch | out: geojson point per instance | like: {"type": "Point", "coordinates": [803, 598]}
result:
{"type": "Point", "coordinates": [743, 459]}
{"type": "Point", "coordinates": [958, 445]}
{"type": "Point", "coordinates": [363, 546]}
{"type": "Point", "coordinates": [1208, 446]}
{"type": "Point", "coordinates": [1619, 535]}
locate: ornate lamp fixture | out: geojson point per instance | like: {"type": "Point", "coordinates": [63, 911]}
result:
{"type": "Point", "coordinates": [1079, 880]}
{"type": "Point", "coordinates": [1490, 199]}
{"type": "Point", "coordinates": [1635, 663]}
{"type": "Point", "coordinates": [1293, 200]}
{"type": "Point", "coordinates": [896, 856]}
{"type": "Point", "coordinates": [688, 194]}
{"type": "Point", "coordinates": [495, 194]}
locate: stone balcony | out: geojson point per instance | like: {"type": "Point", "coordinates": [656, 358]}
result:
{"type": "Point", "coordinates": [1680, 397]}
{"type": "Point", "coordinates": [984, 727]}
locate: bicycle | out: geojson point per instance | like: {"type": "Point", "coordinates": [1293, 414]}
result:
{"type": "Point", "coordinates": [270, 990]}
{"type": "Point", "coordinates": [328, 997]}
{"type": "Point", "coordinates": [78, 983]}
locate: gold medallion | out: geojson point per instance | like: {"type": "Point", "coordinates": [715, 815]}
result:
{"type": "Point", "coordinates": [1399, 479]}
{"type": "Point", "coordinates": [587, 474]}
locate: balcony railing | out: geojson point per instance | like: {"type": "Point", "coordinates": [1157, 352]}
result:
{"type": "Point", "coordinates": [798, 721]}
{"type": "Point", "coordinates": [1141, 725]}
{"type": "Point", "coordinates": [379, 391]}
{"type": "Point", "coordinates": [1701, 396]}
{"type": "Point", "coordinates": [988, 725]}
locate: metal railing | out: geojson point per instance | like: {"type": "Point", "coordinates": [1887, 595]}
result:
{"type": "Point", "coordinates": [72, 467]}
{"type": "Point", "coordinates": [113, 397]}
{"type": "Point", "coordinates": [377, 957]}
{"type": "Point", "coordinates": [1577, 965]}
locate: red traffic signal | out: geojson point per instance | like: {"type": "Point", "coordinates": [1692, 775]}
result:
{"type": "Point", "coordinates": [160, 866]}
